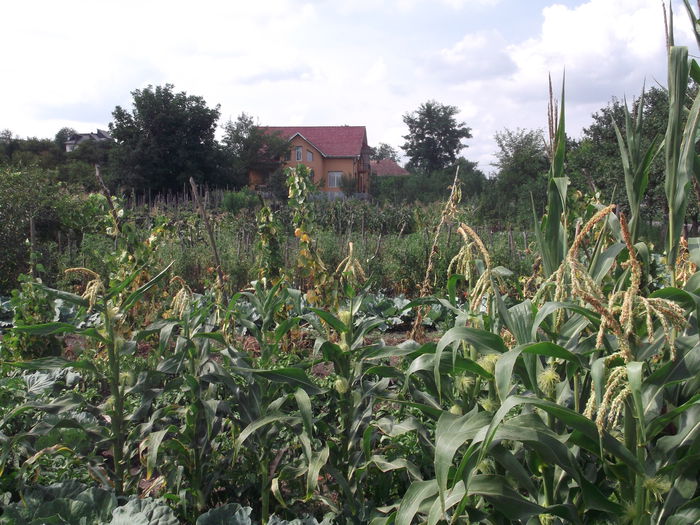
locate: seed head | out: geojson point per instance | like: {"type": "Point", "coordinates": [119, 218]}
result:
{"type": "Point", "coordinates": [548, 380]}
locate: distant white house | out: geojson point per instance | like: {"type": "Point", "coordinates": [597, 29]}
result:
{"type": "Point", "coordinates": [78, 138]}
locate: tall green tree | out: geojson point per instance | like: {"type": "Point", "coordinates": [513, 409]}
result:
{"type": "Point", "coordinates": [594, 162]}
{"type": "Point", "coordinates": [520, 179]}
{"type": "Point", "coordinates": [62, 136]}
{"type": "Point", "coordinates": [434, 136]}
{"type": "Point", "coordinates": [164, 140]}
{"type": "Point", "coordinates": [384, 151]}
{"type": "Point", "coordinates": [248, 147]}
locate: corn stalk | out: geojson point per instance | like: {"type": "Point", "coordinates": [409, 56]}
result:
{"type": "Point", "coordinates": [551, 231]}
{"type": "Point", "coordinates": [636, 161]}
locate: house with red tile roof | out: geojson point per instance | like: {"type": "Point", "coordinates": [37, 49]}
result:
{"type": "Point", "coordinates": [330, 152]}
{"type": "Point", "coordinates": [387, 168]}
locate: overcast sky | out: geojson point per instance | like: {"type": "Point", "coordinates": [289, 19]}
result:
{"type": "Point", "coordinates": [331, 62]}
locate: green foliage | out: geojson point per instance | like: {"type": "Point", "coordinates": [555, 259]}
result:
{"type": "Point", "coordinates": [384, 151]}
{"type": "Point", "coordinates": [434, 136]}
{"type": "Point", "coordinates": [29, 152]}
{"type": "Point", "coordinates": [348, 185]}
{"type": "Point", "coordinates": [269, 256]}
{"type": "Point", "coordinates": [62, 136]}
{"type": "Point", "coordinates": [243, 200]}
{"type": "Point", "coordinates": [520, 179]}
{"type": "Point", "coordinates": [595, 164]}
{"type": "Point", "coordinates": [166, 138]}
{"type": "Point", "coordinates": [31, 207]}
{"type": "Point", "coordinates": [30, 305]}
{"type": "Point", "coordinates": [250, 148]}
{"type": "Point", "coordinates": [564, 393]}
{"type": "Point", "coordinates": [436, 187]}
{"type": "Point", "coordinates": [636, 162]}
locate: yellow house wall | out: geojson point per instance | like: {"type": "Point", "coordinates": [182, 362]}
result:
{"type": "Point", "coordinates": [320, 166]}
{"type": "Point", "coordinates": [316, 164]}
{"type": "Point", "coordinates": [344, 165]}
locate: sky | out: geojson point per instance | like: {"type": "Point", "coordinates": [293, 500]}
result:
{"type": "Point", "coordinates": [332, 62]}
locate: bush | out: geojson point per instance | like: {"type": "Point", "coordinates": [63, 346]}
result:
{"type": "Point", "coordinates": [245, 199]}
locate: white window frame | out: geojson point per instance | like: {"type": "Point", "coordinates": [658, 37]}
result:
{"type": "Point", "coordinates": [309, 156]}
{"type": "Point", "coordinates": [334, 178]}
{"type": "Point", "coordinates": [299, 150]}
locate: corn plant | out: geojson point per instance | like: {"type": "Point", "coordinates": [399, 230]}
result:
{"type": "Point", "coordinates": [112, 337]}
{"type": "Point", "coordinates": [551, 232]}
{"type": "Point", "coordinates": [262, 395]}
{"type": "Point", "coordinates": [358, 419]}
{"type": "Point", "coordinates": [592, 379]}
{"type": "Point", "coordinates": [679, 146]}
{"type": "Point", "coordinates": [636, 161]}
{"type": "Point", "coordinates": [185, 429]}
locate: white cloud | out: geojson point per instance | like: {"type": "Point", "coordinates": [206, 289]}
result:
{"type": "Point", "coordinates": [326, 62]}
{"type": "Point", "coordinates": [479, 55]}
{"type": "Point", "coordinates": [605, 48]}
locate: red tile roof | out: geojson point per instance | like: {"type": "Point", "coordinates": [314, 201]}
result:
{"type": "Point", "coordinates": [387, 167]}
{"type": "Point", "coordinates": [331, 141]}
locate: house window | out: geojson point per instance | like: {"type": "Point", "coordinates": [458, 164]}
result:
{"type": "Point", "coordinates": [309, 156]}
{"type": "Point", "coordinates": [334, 179]}
{"type": "Point", "coordinates": [288, 155]}
{"type": "Point", "coordinates": [298, 150]}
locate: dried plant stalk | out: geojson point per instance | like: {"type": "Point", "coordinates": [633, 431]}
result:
{"type": "Point", "coordinates": [447, 213]}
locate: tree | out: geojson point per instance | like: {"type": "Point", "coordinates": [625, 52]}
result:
{"type": "Point", "coordinates": [594, 163]}
{"type": "Point", "coordinates": [417, 188]}
{"type": "Point", "coordinates": [62, 136]}
{"type": "Point", "coordinates": [521, 177]}
{"type": "Point", "coordinates": [248, 147]}
{"type": "Point", "coordinates": [384, 151]}
{"type": "Point", "coordinates": [434, 136]}
{"type": "Point", "coordinates": [9, 143]}
{"type": "Point", "coordinates": [166, 139]}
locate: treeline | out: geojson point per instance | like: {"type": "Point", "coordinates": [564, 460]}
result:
{"type": "Point", "coordinates": [519, 182]}
{"type": "Point", "coordinates": [163, 140]}
{"type": "Point", "coordinates": [168, 137]}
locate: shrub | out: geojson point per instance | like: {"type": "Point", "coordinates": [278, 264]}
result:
{"type": "Point", "coordinates": [245, 199]}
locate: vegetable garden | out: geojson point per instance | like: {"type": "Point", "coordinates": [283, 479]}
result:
{"type": "Point", "coordinates": [566, 395]}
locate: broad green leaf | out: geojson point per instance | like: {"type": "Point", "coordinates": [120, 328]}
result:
{"type": "Point", "coordinates": [549, 308]}
{"type": "Point", "coordinates": [604, 262]}
{"type": "Point", "coordinates": [145, 511]}
{"type": "Point", "coordinates": [284, 327]}
{"type": "Point", "coordinates": [417, 493]}
{"type": "Point", "coordinates": [504, 366]}
{"type": "Point", "coordinates": [138, 293]}
{"type": "Point", "coordinates": [483, 341]}
{"type": "Point", "coordinates": [317, 461]}
{"type": "Point", "coordinates": [229, 514]}
{"type": "Point", "coordinates": [385, 465]}
{"type": "Point", "coordinates": [260, 423]}
{"type": "Point", "coordinates": [304, 404]}
{"type": "Point", "coordinates": [569, 417]}
{"type": "Point", "coordinates": [329, 318]}
{"type": "Point", "coordinates": [505, 500]}
{"type": "Point", "coordinates": [657, 424]}
{"type": "Point", "coordinates": [438, 508]}
{"type": "Point", "coordinates": [686, 365]}
{"type": "Point", "coordinates": [393, 428]}
{"type": "Point", "coordinates": [153, 442]}
{"type": "Point", "coordinates": [47, 329]}
{"type": "Point", "coordinates": [289, 375]}
{"type": "Point", "coordinates": [451, 433]}
{"type": "Point", "coordinates": [50, 363]}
